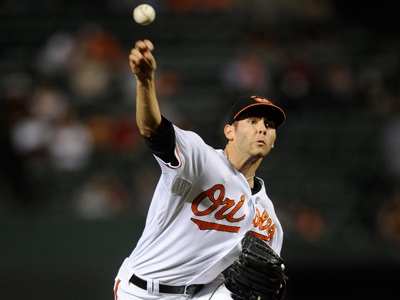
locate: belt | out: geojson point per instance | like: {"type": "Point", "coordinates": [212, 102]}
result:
{"type": "Point", "coordinates": [167, 289]}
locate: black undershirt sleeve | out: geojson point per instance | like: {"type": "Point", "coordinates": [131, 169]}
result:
{"type": "Point", "coordinates": [163, 144]}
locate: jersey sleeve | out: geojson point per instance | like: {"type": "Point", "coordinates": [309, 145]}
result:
{"type": "Point", "coordinates": [163, 145]}
{"type": "Point", "coordinates": [181, 154]}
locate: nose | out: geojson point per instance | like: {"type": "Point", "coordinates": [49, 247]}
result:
{"type": "Point", "coordinates": [264, 125]}
{"type": "Point", "coordinates": [263, 129]}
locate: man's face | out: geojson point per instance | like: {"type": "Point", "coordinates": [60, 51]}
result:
{"type": "Point", "coordinates": [254, 136]}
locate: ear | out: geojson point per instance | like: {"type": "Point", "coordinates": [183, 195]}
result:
{"type": "Point", "coordinates": [273, 143]}
{"type": "Point", "coordinates": [228, 131]}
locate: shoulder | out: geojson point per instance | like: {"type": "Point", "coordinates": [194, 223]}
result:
{"type": "Point", "coordinates": [189, 139]}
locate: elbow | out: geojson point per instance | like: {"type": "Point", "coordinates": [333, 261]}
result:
{"type": "Point", "coordinates": [147, 129]}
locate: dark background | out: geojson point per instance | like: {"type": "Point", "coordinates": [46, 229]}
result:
{"type": "Point", "coordinates": [328, 177]}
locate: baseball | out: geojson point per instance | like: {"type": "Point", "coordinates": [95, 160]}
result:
{"type": "Point", "coordinates": [144, 14]}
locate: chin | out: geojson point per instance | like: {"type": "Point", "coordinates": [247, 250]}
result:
{"type": "Point", "coordinates": [259, 150]}
{"type": "Point", "coordinates": [260, 153]}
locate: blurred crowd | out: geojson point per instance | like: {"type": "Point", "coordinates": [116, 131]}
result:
{"type": "Point", "coordinates": [69, 142]}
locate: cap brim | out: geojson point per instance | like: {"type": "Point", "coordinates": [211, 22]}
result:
{"type": "Point", "coordinates": [270, 111]}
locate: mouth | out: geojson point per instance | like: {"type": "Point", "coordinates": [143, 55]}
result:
{"type": "Point", "coordinates": [260, 143]}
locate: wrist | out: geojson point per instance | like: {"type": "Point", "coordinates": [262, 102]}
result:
{"type": "Point", "coordinates": [145, 81]}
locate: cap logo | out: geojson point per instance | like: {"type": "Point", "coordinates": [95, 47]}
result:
{"type": "Point", "coordinates": [261, 99]}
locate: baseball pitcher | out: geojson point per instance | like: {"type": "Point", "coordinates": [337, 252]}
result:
{"type": "Point", "coordinates": [211, 231]}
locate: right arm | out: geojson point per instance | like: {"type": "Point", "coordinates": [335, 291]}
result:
{"type": "Point", "coordinates": [159, 134]}
{"type": "Point", "coordinates": [143, 65]}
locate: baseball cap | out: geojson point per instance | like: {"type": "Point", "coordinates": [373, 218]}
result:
{"type": "Point", "coordinates": [258, 105]}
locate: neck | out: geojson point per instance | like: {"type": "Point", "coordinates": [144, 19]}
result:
{"type": "Point", "coordinates": [251, 177]}
{"type": "Point", "coordinates": [245, 168]}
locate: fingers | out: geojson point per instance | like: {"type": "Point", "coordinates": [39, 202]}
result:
{"type": "Point", "coordinates": [136, 58]}
{"type": "Point", "coordinates": [149, 44]}
{"type": "Point", "coordinates": [141, 59]}
{"type": "Point", "coordinates": [143, 46]}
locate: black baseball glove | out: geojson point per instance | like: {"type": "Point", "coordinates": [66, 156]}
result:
{"type": "Point", "coordinates": [257, 274]}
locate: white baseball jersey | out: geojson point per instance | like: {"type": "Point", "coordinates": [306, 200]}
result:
{"type": "Point", "coordinates": [200, 211]}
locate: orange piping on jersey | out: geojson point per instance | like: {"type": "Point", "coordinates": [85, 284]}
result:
{"type": "Point", "coordinates": [178, 156]}
{"type": "Point", "coordinates": [214, 226]}
{"type": "Point", "coordinates": [116, 289]}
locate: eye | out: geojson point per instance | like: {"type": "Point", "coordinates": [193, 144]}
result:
{"type": "Point", "coordinates": [269, 124]}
